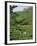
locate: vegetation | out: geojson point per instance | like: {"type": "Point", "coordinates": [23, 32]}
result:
{"type": "Point", "coordinates": [21, 25]}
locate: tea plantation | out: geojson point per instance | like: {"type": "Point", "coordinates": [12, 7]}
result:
{"type": "Point", "coordinates": [21, 25]}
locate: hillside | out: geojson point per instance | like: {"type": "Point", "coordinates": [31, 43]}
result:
{"type": "Point", "coordinates": [21, 25]}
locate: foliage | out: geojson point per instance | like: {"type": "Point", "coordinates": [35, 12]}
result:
{"type": "Point", "coordinates": [21, 25]}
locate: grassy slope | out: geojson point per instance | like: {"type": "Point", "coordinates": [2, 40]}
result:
{"type": "Point", "coordinates": [21, 25]}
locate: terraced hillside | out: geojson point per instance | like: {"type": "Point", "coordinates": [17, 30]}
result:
{"type": "Point", "coordinates": [21, 25]}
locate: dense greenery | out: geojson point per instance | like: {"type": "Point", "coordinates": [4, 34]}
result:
{"type": "Point", "coordinates": [21, 25]}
